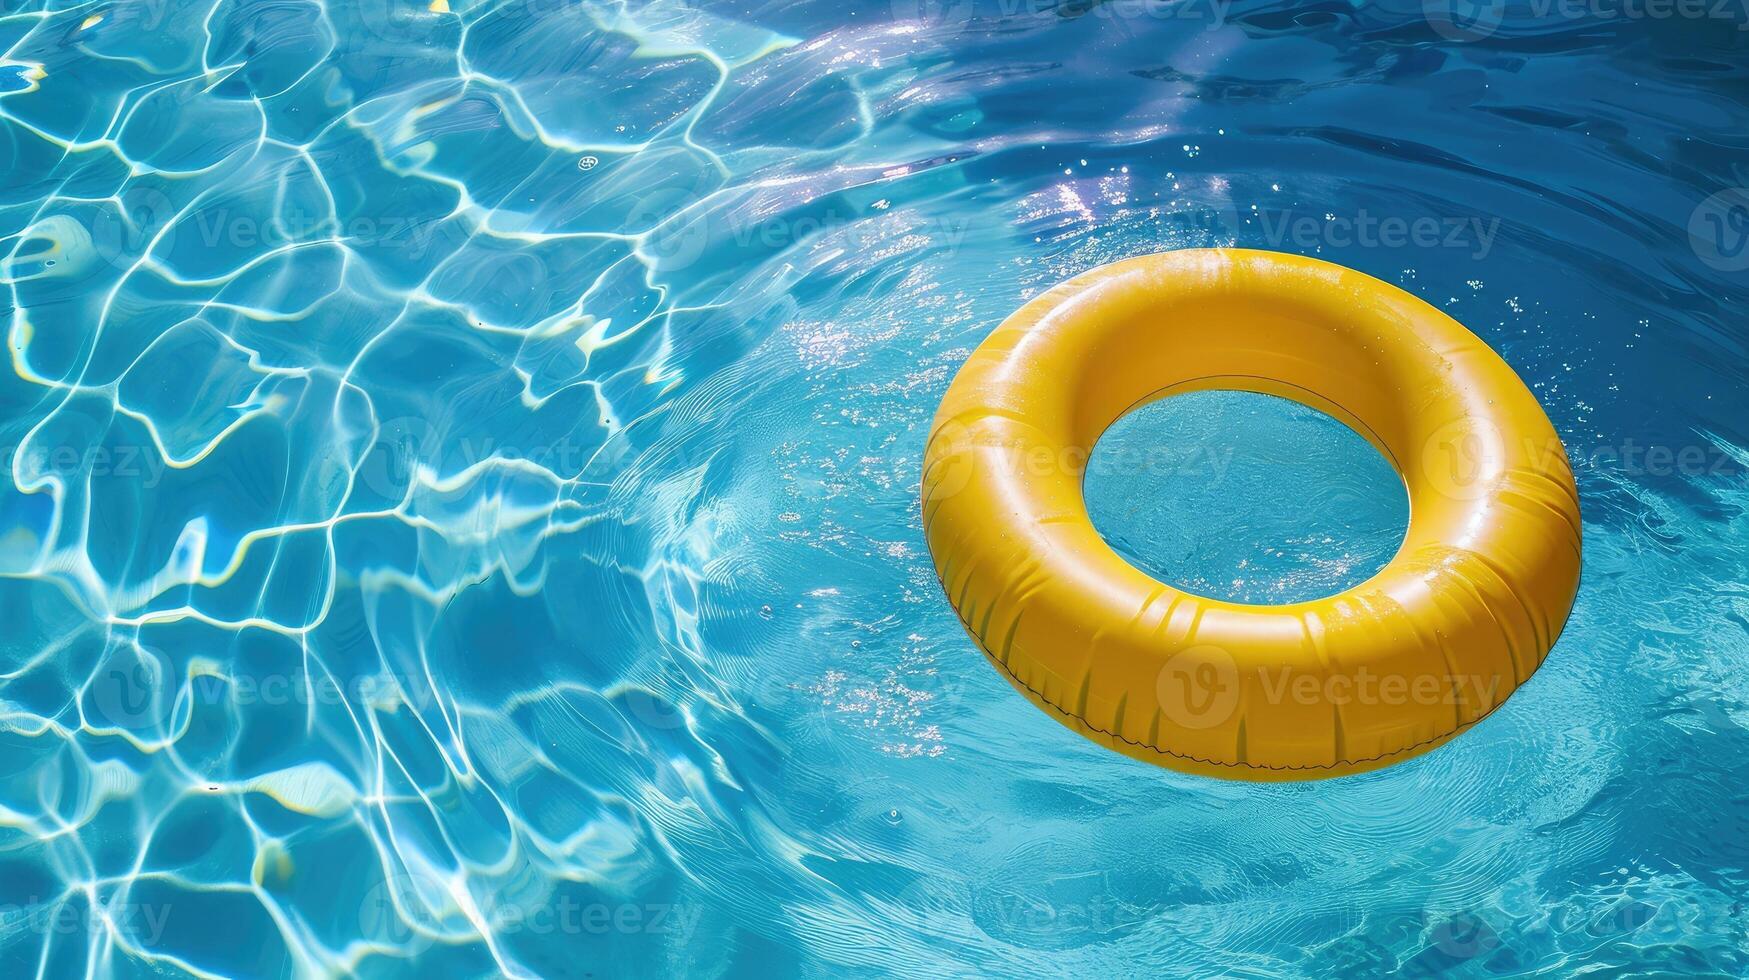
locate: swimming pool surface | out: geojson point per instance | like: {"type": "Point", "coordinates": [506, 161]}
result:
{"type": "Point", "coordinates": [460, 514]}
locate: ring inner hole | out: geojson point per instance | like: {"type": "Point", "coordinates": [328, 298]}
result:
{"type": "Point", "coordinates": [1245, 497]}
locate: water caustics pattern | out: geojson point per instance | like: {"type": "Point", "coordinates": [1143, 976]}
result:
{"type": "Point", "coordinates": [460, 517]}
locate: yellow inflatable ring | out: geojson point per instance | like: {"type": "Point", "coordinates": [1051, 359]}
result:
{"type": "Point", "coordinates": [1389, 669]}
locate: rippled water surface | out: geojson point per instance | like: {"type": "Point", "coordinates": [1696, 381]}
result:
{"type": "Point", "coordinates": [460, 515]}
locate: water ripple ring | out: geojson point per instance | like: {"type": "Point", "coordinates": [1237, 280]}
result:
{"type": "Point", "coordinates": [1391, 668]}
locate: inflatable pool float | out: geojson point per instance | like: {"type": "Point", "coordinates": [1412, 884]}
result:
{"type": "Point", "coordinates": [1389, 669]}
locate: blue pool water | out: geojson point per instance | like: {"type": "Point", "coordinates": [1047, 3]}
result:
{"type": "Point", "coordinates": [461, 518]}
